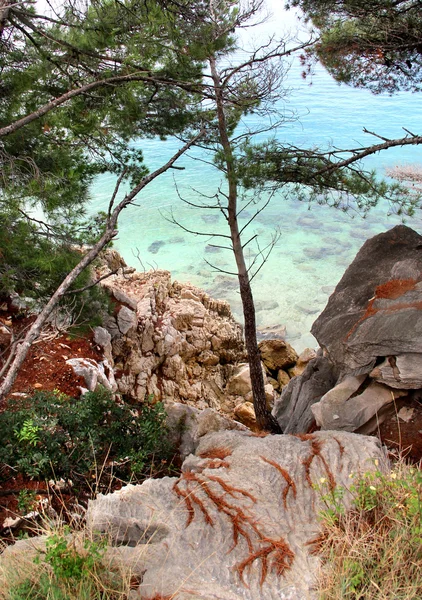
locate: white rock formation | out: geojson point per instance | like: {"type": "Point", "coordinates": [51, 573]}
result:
{"type": "Point", "coordinates": [239, 522]}
{"type": "Point", "coordinates": [172, 341]}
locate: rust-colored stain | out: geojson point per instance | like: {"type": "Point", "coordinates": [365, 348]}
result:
{"type": "Point", "coordinates": [395, 288]}
{"type": "Point", "coordinates": [316, 447]}
{"type": "Point", "coordinates": [277, 550]}
{"type": "Point", "coordinates": [198, 492]}
{"type": "Point", "coordinates": [390, 290]}
{"type": "Point", "coordinates": [285, 474]}
{"type": "Point", "coordinates": [217, 452]}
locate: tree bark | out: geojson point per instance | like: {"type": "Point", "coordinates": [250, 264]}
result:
{"type": "Point", "coordinates": [264, 418]}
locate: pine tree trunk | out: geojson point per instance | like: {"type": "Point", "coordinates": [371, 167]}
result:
{"type": "Point", "coordinates": [264, 418]}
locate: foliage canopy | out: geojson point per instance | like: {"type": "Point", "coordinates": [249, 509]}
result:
{"type": "Point", "coordinates": [377, 45]}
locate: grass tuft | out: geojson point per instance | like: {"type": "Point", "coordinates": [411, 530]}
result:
{"type": "Point", "coordinates": [374, 550]}
{"type": "Point", "coordinates": [64, 566]}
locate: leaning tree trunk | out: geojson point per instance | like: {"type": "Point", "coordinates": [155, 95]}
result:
{"type": "Point", "coordinates": [109, 233]}
{"type": "Point", "coordinates": [264, 418]}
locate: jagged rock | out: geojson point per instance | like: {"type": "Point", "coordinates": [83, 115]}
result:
{"type": "Point", "coordinates": [240, 382]}
{"type": "Point", "coordinates": [269, 395]}
{"type": "Point", "coordinates": [341, 410]}
{"type": "Point", "coordinates": [124, 298]}
{"type": "Point", "coordinates": [94, 373]}
{"type": "Point", "coordinates": [126, 319]}
{"type": "Point", "coordinates": [375, 310]}
{"type": "Point", "coordinates": [245, 413]}
{"type": "Point", "coordinates": [179, 344]}
{"type": "Point", "coordinates": [112, 259]}
{"type": "Point", "coordinates": [102, 337]}
{"type": "Point", "coordinates": [277, 354]}
{"type": "Point", "coordinates": [239, 499]}
{"type": "Point", "coordinates": [283, 378]}
{"type": "Point", "coordinates": [293, 408]}
{"type": "Point", "coordinates": [303, 359]}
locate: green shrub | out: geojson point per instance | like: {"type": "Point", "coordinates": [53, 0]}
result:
{"type": "Point", "coordinates": [57, 436]}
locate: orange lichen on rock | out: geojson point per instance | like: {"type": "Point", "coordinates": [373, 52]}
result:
{"type": "Point", "coordinates": [216, 463]}
{"type": "Point", "coordinates": [230, 489]}
{"type": "Point", "coordinates": [340, 445]}
{"type": "Point", "coordinates": [390, 290]}
{"type": "Point", "coordinates": [304, 436]}
{"type": "Point", "coordinates": [290, 483]}
{"type": "Point", "coordinates": [218, 452]}
{"type": "Point", "coordinates": [316, 447]}
{"type": "Point", "coordinates": [395, 288]}
{"type": "Point", "coordinates": [274, 554]}
{"type": "Point", "coordinates": [282, 558]}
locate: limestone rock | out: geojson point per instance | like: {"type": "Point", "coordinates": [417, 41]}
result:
{"type": "Point", "coordinates": [277, 354]}
{"type": "Point", "coordinates": [339, 409]}
{"type": "Point", "coordinates": [178, 344]}
{"type": "Point", "coordinates": [283, 378]}
{"type": "Point", "coordinates": [245, 413]}
{"type": "Point", "coordinates": [102, 337]}
{"type": "Point", "coordinates": [124, 298]}
{"type": "Point", "coordinates": [112, 259]}
{"type": "Point", "coordinates": [375, 309]}
{"type": "Point", "coordinates": [403, 371]}
{"type": "Point", "coordinates": [237, 496]}
{"type": "Point", "coordinates": [239, 383]}
{"type": "Point", "coordinates": [293, 408]}
{"type": "Point", "coordinates": [126, 319]}
{"type": "Point", "coordinates": [94, 373]}
{"type": "Point", "coordinates": [303, 359]}
{"type": "Point", "coordinates": [188, 425]}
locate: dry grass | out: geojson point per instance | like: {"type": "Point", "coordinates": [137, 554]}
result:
{"type": "Point", "coordinates": [374, 551]}
{"type": "Point", "coordinates": [63, 566]}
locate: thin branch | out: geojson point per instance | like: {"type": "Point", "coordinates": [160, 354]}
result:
{"type": "Point", "coordinates": [90, 285]}
{"type": "Point", "coordinates": [116, 189]}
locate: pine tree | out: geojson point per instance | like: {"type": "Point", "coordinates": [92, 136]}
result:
{"type": "Point", "coordinates": [376, 45]}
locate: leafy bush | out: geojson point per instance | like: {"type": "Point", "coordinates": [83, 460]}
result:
{"type": "Point", "coordinates": [58, 436]}
{"type": "Point", "coordinates": [374, 550]}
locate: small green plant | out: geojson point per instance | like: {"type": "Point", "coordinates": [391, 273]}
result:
{"type": "Point", "coordinates": [26, 501]}
{"type": "Point", "coordinates": [374, 550]}
{"type": "Point", "coordinates": [28, 433]}
{"type": "Point", "coordinates": [70, 568]}
{"type": "Point", "coordinates": [332, 500]}
{"type": "Point", "coordinates": [67, 562]}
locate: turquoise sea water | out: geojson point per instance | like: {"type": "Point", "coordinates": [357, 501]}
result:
{"type": "Point", "coordinates": [315, 246]}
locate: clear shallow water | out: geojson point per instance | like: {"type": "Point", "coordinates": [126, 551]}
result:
{"type": "Point", "coordinates": [315, 246]}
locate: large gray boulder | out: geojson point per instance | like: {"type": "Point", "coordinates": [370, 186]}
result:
{"type": "Point", "coordinates": [239, 522]}
{"type": "Point", "coordinates": [375, 310]}
{"type": "Point", "coordinates": [293, 408]}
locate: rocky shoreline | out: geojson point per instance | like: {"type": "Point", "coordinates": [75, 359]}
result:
{"type": "Point", "coordinates": [240, 519]}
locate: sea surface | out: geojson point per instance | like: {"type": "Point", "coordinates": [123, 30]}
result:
{"type": "Point", "coordinates": [316, 243]}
